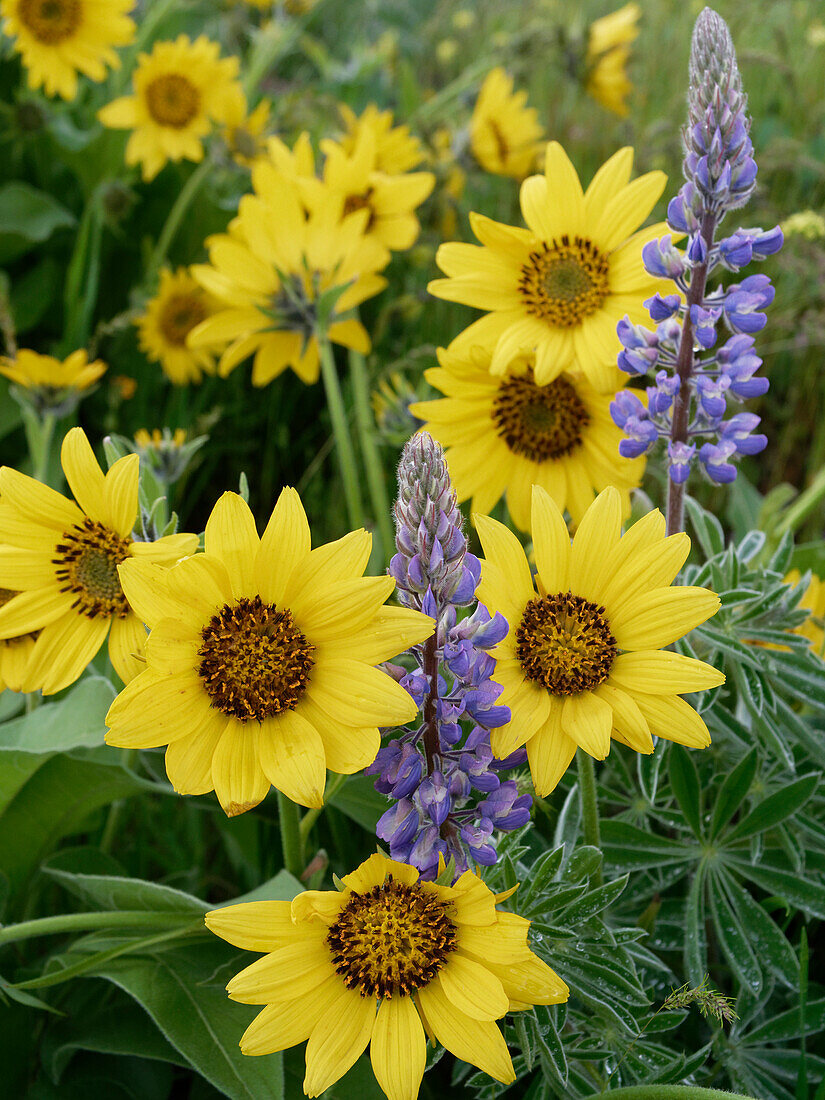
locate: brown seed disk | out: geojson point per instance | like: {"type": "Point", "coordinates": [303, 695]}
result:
{"type": "Point", "coordinates": [564, 643]}
{"type": "Point", "coordinates": [565, 281]}
{"type": "Point", "coordinates": [539, 422]}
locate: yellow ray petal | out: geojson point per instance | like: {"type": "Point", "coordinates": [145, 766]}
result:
{"type": "Point", "coordinates": [398, 1048]}
{"type": "Point", "coordinates": [588, 721]}
{"type": "Point", "coordinates": [473, 989]}
{"type": "Point", "coordinates": [290, 972]}
{"type": "Point", "coordinates": [505, 553]}
{"type": "Point", "coordinates": [231, 536]}
{"type": "Point", "coordinates": [597, 534]}
{"type": "Point", "coordinates": [127, 642]}
{"type": "Point", "coordinates": [32, 499]}
{"type": "Point", "coordinates": [628, 721]}
{"type": "Point", "coordinates": [551, 542]}
{"type": "Point", "coordinates": [63, 651]}
{"type": "Point", "coordinates": [283, 1025]}
{"type": "Point", "coordinates": [659, 672]}
{"type": "Point", "coordinates": [83, 474]}
{"type": "Point", "coordinates": [189, 759]}
{"type": "Point", "coordinates": [144, 586]}
{"type": "Point", "coordinates": [284, 544]}
{"type": "Point", "coordinates": [549, 752]}
{"type": "Point", "coordinates": [338, 1039]}
{"type": "Point", "coordinates": [671, 717]}
{"type": "Point", "coordinates": [260, 925]}
{"type": "Point", "coordinates": [237, 776]}
{"type": "Point", "coordinates": [154, 709]}
{"type": "Point", "coordinates": [660, 617]}
{"type": "Point", "coordinates": [120, 493]}
{"type": "Point", "coordinates": [358, 694]}
{"type": "Point", "coordinates": [293, 759]}
{"type": "Point", "coordinates": [478, 1042]}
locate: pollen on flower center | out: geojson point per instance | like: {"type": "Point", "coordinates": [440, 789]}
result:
{"type": "Point", "coordinates": [539, 422]}
{"type": "Point", "coordinates": [562, 283]}
{"type": "Point", "coordinates": [50, 21]}
{"type": "Point", "coordinates": [254, 661]}
{"type": "Point", "coordinates": [392, 940]}
{"type": "Point", "coordinates": [564, 642]}
{"type": "Point", "coordinates": [87, 558]}
{"type": "Point", "coordinates": [179, 316]}
{"type": "Point", "coordinates": [172, 100]}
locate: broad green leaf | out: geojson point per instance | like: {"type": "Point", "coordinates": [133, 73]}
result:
{"type": "Point", "coordinates": [707, 527]}
{"type": "Point", "coordinates": [540, 875]}
{"type": "Point", "coordinates": [684, 780]}
{"type": "Point", "coordinates": [732, 792]}
{"type": "Point", "coordinates": [799, 892]}
{"type": "Point", "coordinates": [594, 901]}
{"type": "Point", "coordinates": [733, 938]}
{"type": "Point", "coordinates": [118, 892]}
{"type": "Point", "coordinates": [633, 849]}
{"type": "Point", "coordinates": [16, 768]}
{"type": "Point", "coordinates": [33, 292]}
{"type": "Point", "coordinates": [75, 721]}
{"type": "Point", "coordinates": [696, 961]}
{"type": "Point", "coordinates": [28, 217]}
{"type": "Point", "coordinates": [281, 887]}
{"type": "Point", "coordinates": [775, 808]}
{"type": "Point", "coordinates": [359, 800]}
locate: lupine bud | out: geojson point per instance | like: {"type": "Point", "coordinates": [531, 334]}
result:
{"type": "Point", "coordinates": [704, 325]}
{"type": "Point", "coordinates": [663, 260]}
{"type": "Point", "coordinates": [681, 456]}
{"type": "Point", "coordinates": [661, 308]}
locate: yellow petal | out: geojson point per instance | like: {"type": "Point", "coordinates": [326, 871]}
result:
{"type": "Point", "coordinates": [671, 717]}
{"type": "Point", "coordinates": [284, 544]}
{"type": "Point", "coordinates": [549, 753]}
{"type": "Point", "coordinates": [629, 724]}
{"type": "Point", "coordinates": [473, 989]}
{"type": "Point", "coordinates": [478, 1042]}
{"type": "Point", "coordinates": [359, 695]}
{"type": "Point", "coordinates": [291, 971]}
{"type": "Point", "coordinates": [660, 672]}
{"type": "Point", "coordinates": [588, 721]}
{"type": "Point", "coordinates": [373, 871]}
{"type": "Point", "coordinates": [154, 709]}
{"type": "Point", "coordinates": [231, 536]}
{"type": "Point", "coordinates": [398, 1048]}
{"type": "Point", "coordinates": [30, 611]}
{"type": "Point", "coordinates": [283, 1025]}
{"type": "Point", "coordinates": [660, 617]}
{"type": "Point", "coordinates": [199, 585]}
{"type": "Point", "coordinates": [127, 642]}
{"type": "Point", "coordinates": [83, 474]}
{"type": "Point", "coordinates": [346, 750]}
{"type": "Point", "coordinates": [120, 492]}
{"type": "Point", "coordinates": [144, 586]}
{"type": "Point", "coordinates": [189, 759]}
{"type": "Point", "coordinates": [237, 776]}
{"type": "Point", "coordinates": [338, 1039]}
{"type": "Point", "coordinates": [530, 980]}
{"type": "Point", "coordinates": [32, 499]}
{"type": "Point", "coordinates": [63, 651]}
{"type": "Point", "coordinates": [597, 534]}
{"type": "Point", "coordinates": [504, 942]}
{"type": "Point", "coordinates": [292, 757]}
{"type": "Point", "coordinates": [551, 542]}
{"type": "Point", "coordinates": [259, 925]}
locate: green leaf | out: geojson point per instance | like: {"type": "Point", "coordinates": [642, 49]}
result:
{"type": "Point", "coordinates": [798, 892]}
{"type": "Point", "coordinates": [732, 792]}
{"type": "Point", "coordinates": [281, 887]}
{"type": "Point", "coordinates": [541, 873]}
{"type": "Point", "coordinates": [708, 529]}
{"type": "Point", "coordinates": [34, 292]}
{"type": "Point", "coordinates": [75, 721]}
{"type": "Point", "coordinates": [684, 779]}
{"type": "Point", "coordinates": [633, 849]}
{"type": "Point", "coordinates": [696, 959]}
{"type": "Point", "coordinates": [28, 217]}
{"type": "Point", "coordinates": [734, 939]}
{"type": "Point", "coordinates": [775, 808]}
{"type": "Point", "coordinates": [594, 901]}
{"type": "Point", "coordinates": [801, 676]}
{"type": "Point", "coordinates": [118, 892]}
{"type": "Point", "coordinates": [789, 1025]}
{"type": "Point", "coordinates": [359, 800]}
{"type": "Point", "coordinates": [16, 768]}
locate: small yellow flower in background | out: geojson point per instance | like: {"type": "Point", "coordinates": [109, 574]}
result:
{"type": "Point", "coordinates": [815, 34]}
{"type": "Point", "coordinates": [559, 287]}
{"type": "Point", "coordinates": [505, 134]}
{"type": "Point", "coordinates": [159, 438]}
{"type": "Point", "coordinates": [388, 960]}
{"type": "Point", "coordinates": [124, 386]}
{"type": "Point", "coordinates": [608, 52]}
{"type": "Point", "coordinates": [396, 149]}
{"type": "Point", "coordinates": [52, 382]}
{"type": "Point", "coordinates": [57, 39]}
{"type": "Point", "coordinates": [179, 305]}
{"type": "Point", "coordinates": [504, 434]}
{"type": "Point", "coordinates": [270, 272]}
{"type": "Point", "coordinates": [814, 601]}
{"type": "Point", "coordinates": [805, 223]}
{"type": "Point", "coordinates": [14, 653]}
{"type": "Point", "coordinates": [259, 664]}
{"type": "Point", "coordinates": [584, 659]}
{"type": "Point", "coordinates": [181, 90]}
{"type": "Point", "coordinates": [61, 559]}
{"type": "Point", "coordinates": [246, 133]}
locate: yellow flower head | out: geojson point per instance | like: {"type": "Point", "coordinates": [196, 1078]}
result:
{"type": "Point", "coordinates": [259, 664]}
{"type": "Point", "coordinates": [504, 133]}
{"type": "Point", "coordinates": [608, 52]}
{"type": "Point", "coordinates": [57, 39]}
{"type": "Point", "coordinates": [559, 287]}
{"type": "Point", "coordinates": [181, 90]}
{"type": "Point", "coordinates": [62, 558]}
{"type": "Point", "coordinates": [160, 439]}
{"type": "Point", "coordinates": [583, 660]}
{"type": "Point", "coordinates": [504, 434]}
{"type": "Point", "coordinates": [814, 601]}
{"type": "Point", "coordinates": [52, 381]}
{"type": "Point", "coordinates": [388, 960]}
{"type": "Point", "coordinates": [179, 305]}
{"type": "Point", "coordinates": [271, 270]}
{"type": "Point", "coordinates": [246, 133]}
{"type": "Point", "coordinates": [14, 653]}
{"type": "Point", "coordinates": [396, 149]}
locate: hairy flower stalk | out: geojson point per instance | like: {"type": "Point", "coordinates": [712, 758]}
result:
{"type": "Point", "coordinates": [450, 800]}
{"type": "Point", "coordinates": [695, 379]}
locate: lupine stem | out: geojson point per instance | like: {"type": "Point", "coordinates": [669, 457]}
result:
{"type": "Point", "coordinates": [369, 452]}
{"type": "Point", "coordinates": [289, 820]}
{"type": "Point", "coordinates": [589, 804]}
{"type": "Point", "coordinates": [430, 725]}
{"type": "Point", "coordinates": [684, 369]}
{"type": "Point", "coordinates": [340, 429]}
{"type": "Point", "coordinates": [669, 1092]}
{"type": "Point", "coordinates": [185, 198]}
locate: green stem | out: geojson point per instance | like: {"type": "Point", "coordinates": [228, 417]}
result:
{"type": "Point", "coordinates": [271, 44]}
{"type": "Point", "coordinates": [40, 460]}
{"type": "Point", "coordinates": [107, 839]}
{"type": "Point", "coordinates": [340, 429]}
{"type": "Point", "coordinates": [84, 922]}
{"type": "Point", "coordinates": [289, 819]}
{"type": "Point", "coordinates": [185, 198]}
{"type": "Point", "coordinates": [312, 815]}
{"type": "Point", "coordinates": [590, 804]}
{"type": "Point", "coordinates": [376, 483]}
{"type": "Point", "coordinates": [83, 276]}
{"type": "Point", "coordinates": [798, 512]}
{"type": "Point", "coordinates": [669, 1092]}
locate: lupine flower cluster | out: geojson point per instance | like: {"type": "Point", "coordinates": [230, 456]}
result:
{"type": "Point", "coordinates": [701, 351]}
{"type": "Point", "coordinates": [449, 799]}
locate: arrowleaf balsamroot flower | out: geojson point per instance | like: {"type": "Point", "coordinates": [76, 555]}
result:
{"type": "Point", "coordinates": [506, 434]}
{"type": "Point", "coordinates": [62, 560]}
{"type": "Point", "coordinates": [505, 133]}
{"type": "Point", "coordinates": [559, 287]}
{"type": "Point", "coordinates": [584, 659]}
{"type": "Point", "coordinates": [57, 39]}
{"type": "Point", "coordinates": [14, 653]}
{"type": "Point", "coordinates": [179, 305]}
{"type": "Point", "coordinates": [396, 149]}
{"type": "Point", "coordinates": [608, 52]}
{"type": "Point", "coordinates": [388, 960]}
{"type": "Point", "coordinates": [259, 663]}
{"type": "Point", "coordinates": [53, 385]}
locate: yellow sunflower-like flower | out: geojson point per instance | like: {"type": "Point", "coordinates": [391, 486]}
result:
{"type": "Point", "coordinates": [388, 960]}
{"type": "Point", "coordinates": [504, 434]}
{"type": "Point", "coordinates": [271, 272]}
{"type": "Point", "coordinates": [51, 381]}
{"type": "Point", "coordinates": [179, 306]}
{"type": "Point", "coordinates": [608, 52]}
{"type": "Point", "coordinates": [504, 132]}
{"type": "Point", "coordinates": [559, 287]}
{"type": "Point", "coordinates": [583, 660]}
{"type": "Point", "coordinates": [57, 39]}
{"type": "Point", "coordinates": [181, 90]}
{"type": "Point", "coordinates": [61, 559]}
{"type": "Point", "coordinates": [14, 654]}
{"type": "Point", "coordinates": [814, 601]}
{"type": "Point", "coordinates": [246, 133]}
{"type": "Point", "coordinates": [396, 149]}
{"type": "Point", "coordinates": [259, 664]}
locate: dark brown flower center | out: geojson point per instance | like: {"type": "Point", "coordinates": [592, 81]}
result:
{"type": "Point", "coordinates": [87, 559]}
{"type": "Point", "coordinates": [50, 21]}
{"type": "Point", "coordinates": [255, 662]}
{"type": "Point", "coordinates": [179, 315]}
{"type": "Point", "coordinates": [501, 143]}
{"type": "Point", "coordinates": [392, 940]}
{"type": "Point", "coordinates": [172, 100]}
{"type": "Point", "coordinates": [564, 642]}
{"type": "Point", "coordinates": [352, 203]}
{"type": "Point", "coordinates": [562, 283]}
{"type": "Point", "coordinates": [539, 422]}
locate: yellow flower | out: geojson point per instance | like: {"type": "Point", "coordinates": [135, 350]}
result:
{"type": "Point", "coordinates": [52, 380]}
{"type": "Point", "coordinates": [57, 39]}
{"type": "Point", "coordinates": [180, 90]}
{"type": "Point", "coordinates": [814, 601]}
{"type": "Point", "coordinates": [396, 149]}
{"type": "Point", "coordinates": [246, 134]}
{"type": "Point", "coordinates": [179, 305]}
{"type": "Point", "coordinates": [270, 272]}
{"type": "Point", "coordinates": [559, 287]}
{"type": "Point", "coordinates": [583, 660]}
{"type": "Point", "coordinates": [504, 133]}
{"type": "Point", "coordinates": [608, 52]}
{"type": "Point", "coordinates": [62, 558]}
{"type": "Point", "coordinates": [259, 664]}
{"type": "Point", "coordinates": [14, 654]}
{"type": "Point", "coordinates": [506, 434]}
{"type": "Point", "coordinates": [389, 960]}
{"type": "Point", "coordinates": [160, 439]}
